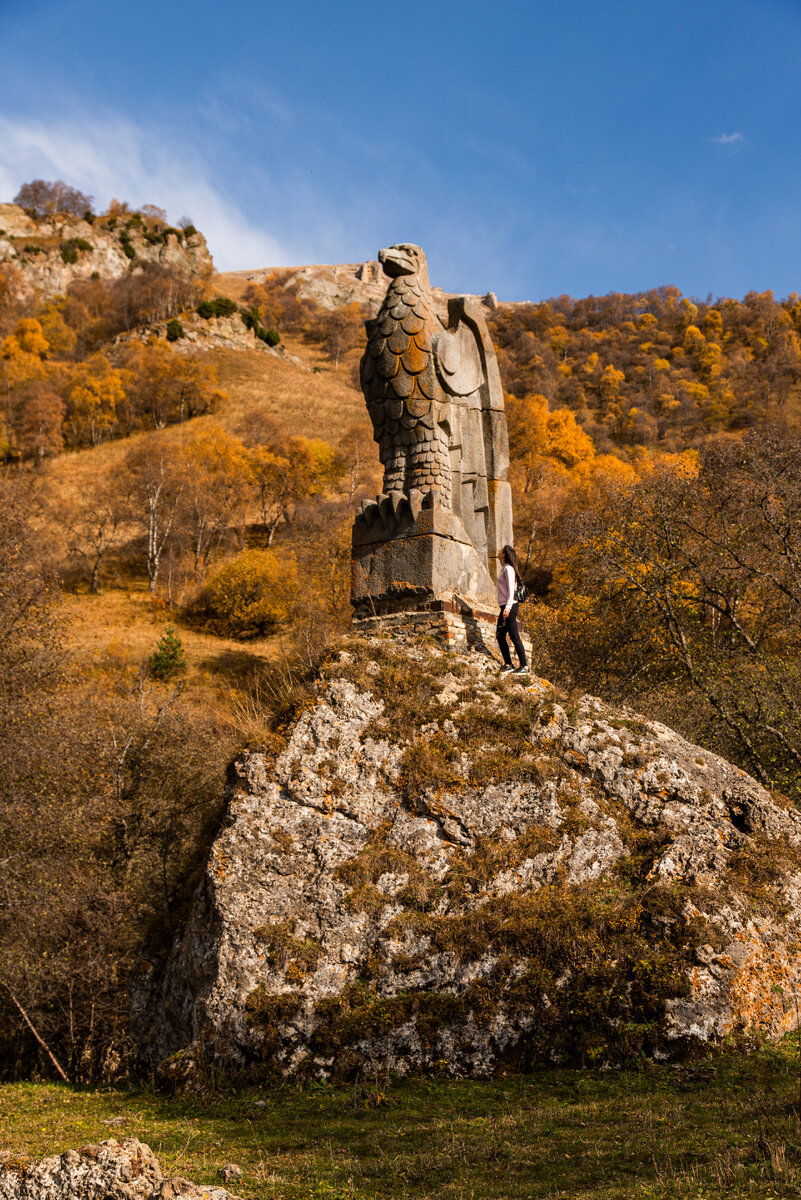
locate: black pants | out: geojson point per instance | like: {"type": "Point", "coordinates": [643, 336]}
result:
{"type": "Point", "coordinates": [509, 626]}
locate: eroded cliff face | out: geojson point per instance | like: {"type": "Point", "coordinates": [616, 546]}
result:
{"type": "Point", "coordinates": [446, 871]}
{"type": "Point", "coordinates": [37, 249]}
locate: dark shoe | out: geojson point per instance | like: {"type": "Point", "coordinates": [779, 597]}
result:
{"type": "Point", "coordinates": [506, 668]}
{"type": "Point", "coordinates": [521, 670]}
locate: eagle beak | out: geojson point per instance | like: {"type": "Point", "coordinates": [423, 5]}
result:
{"type": "Point", "coordinates": [396, 262]}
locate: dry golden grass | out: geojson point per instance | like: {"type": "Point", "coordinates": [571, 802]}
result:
{"type": "Point", "coordinates": [321, 402]}
{"type": "Point", "coordinates": [123, 622]}
{"type": "Point", "coordinates": [116, 630]}
{"type": "Point", "coordinates": [234, 286]}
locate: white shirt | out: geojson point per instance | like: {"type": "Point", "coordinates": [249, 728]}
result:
{"type": "Point", "coordinates": [506, 587]}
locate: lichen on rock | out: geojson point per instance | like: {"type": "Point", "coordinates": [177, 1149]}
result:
{"type": "Point", "coordinates": [126, 1170]}
{"type": "Point", "coordinates": [446, 871]}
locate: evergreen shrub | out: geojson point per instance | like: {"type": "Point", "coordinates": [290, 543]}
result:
{"type": "Point", "coordinates": [168, 659]}
{"type": "Point", "coordinates": [175, 330]}
{"type": "Point", "coordinates": [220, 306]}
{"type": "Point", "coordinates": [70, 249]}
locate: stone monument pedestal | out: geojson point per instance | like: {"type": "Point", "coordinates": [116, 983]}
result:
{"type": "Point", "coordinates": [453, 624]}
{"type": "Point", "coordinates": [402, 558]}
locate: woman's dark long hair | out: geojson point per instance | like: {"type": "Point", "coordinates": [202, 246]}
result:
{"type": "Point", "coordinates": [510, 559]}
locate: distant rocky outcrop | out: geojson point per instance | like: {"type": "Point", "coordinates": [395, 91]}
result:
{"type": "Point", "coordinates": [332, 286]}
{"type": "Point", "coordinates": [445, 871]}
{"type": "Point", "coordinates": [110, 1171]}
{"type": "Point", "coordinates": [49, 253]}
{"type": "Point", "coordinates": [225, 333]}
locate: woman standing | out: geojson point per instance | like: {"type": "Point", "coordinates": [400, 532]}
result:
{"type": "Point", "coordinates": [508, 578]}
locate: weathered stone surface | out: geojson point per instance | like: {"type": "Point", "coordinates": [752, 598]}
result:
{"type": "Point", "coordinates": [110, 1171]}
{"type": "Point", "coordinates": [334, 285]}
{"type": "Point", "coordinates": [433, 391]}
{"type": "Point", "coordinates": [44, 272]}
{"type": "Point", "coordinates": [444, 871]}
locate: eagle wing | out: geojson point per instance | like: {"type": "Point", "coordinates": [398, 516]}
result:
{"type": "Point", "coordinates": [459, 362]}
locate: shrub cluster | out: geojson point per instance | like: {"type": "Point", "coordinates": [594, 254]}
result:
{"type": "Point", "coordinates": [252, 596]}
{"type": "Point", "coordinates": [127, 245]}
{"type": "Point", "coordinates": [175, 330]}
{"type": "Point", "coordinates": [71, 248]}
{"type": "Point", "coordinates": [221, 306]}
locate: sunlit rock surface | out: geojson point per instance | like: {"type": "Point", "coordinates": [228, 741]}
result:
{"type": "Point", "coordinates": [446, 871]}
{"type": "Point", "coordinates": [126, 1170]}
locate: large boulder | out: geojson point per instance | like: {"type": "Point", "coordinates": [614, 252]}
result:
{"type": "Point", "coordinates": [109, 1171]}
{"type": "Point", "coordinates": [445, 870]}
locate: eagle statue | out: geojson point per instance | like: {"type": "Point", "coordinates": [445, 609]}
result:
{"type": "Point", "coordinates": [433, 392]}
{"type": "Point", "coordinates": [399, 379]}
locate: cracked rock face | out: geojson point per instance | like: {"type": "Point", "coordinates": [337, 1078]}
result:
{"type": "Point", "coordinates": [111, 1171]}
{"type": "Point", "coordinates": [457, 875]}
{"type": "Point", "coordinates": [45, 273]}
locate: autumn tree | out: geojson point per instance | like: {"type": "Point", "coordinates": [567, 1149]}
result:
{"type": "Point", "coordinates": [93, 392]}
{"type": "Point", "coordinates": [43, 199]}
{"type": "Point", "coordinates": [118, 208]}
{"type": "Point", "coordinates": [22, 365]}
{"type": "Point", "coordinates": [358, 453]}
{"type": "Point", "coordinates": [154, 479]}
{"type": "Point", "coordinates": [554, 469]}
{"type": "Point", "coordinates": [341, 330]}
{"type": "Point", "coordinates": [38, 422]}
{"type": "Point", "coordinates": [98, 309]}
{"type": "Point", "coordinates": [688, 588]}
{"type": "Point", "coordinates": [270, 471]}
{"type": "Point", "coordinates": [288, 472]}
{"type": "Point", "coordinates": [156, 293]}
{"type": "Point", "coordinates": [164, 387]}
{"type": "Point", "coordinates": [94, 524]}
{"type": "Point", "coordinates": [60, 338]}
{"type": "Point", "coordinates": [216, 479]}
{"type": "Point", "coordinates": [22, 353]}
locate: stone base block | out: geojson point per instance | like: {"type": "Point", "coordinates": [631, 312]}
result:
{"type": "Point", "coordinates": [457, 629]}
{"type": "Point", "coordinates": [431, 558]}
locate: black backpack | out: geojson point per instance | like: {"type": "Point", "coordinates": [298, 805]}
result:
{"type": "Point", "coordinates": [520, 592]}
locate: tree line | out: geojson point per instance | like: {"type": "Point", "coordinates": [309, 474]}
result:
{"type": "Point", "coordinates": [655, 368]}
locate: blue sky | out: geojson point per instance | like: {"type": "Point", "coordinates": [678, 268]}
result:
{"type": "Point", "coordinates": [532, 149]}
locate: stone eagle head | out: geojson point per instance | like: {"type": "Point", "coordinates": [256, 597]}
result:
{"type": "Point", "coordinates": [404, 259]}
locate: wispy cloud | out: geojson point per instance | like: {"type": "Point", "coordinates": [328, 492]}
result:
{"type": "Point", "coordinates": [112, 157]}
{"type": "Point", "coordinates": [729, 139]}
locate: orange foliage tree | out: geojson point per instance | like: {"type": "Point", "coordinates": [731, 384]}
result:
{"type": "Point", "coordinates": [684, 592]}
{"type": "Point", "coordinates": [163, 387]}
{"type": "Point", "coordinates": [216, 479]}
{"type": "Point", "coordinates": [93, 391]}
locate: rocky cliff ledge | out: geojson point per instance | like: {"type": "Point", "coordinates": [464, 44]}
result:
{"type": "Point", "coordinates": [446, 871]}
{"type": "Point", "coordinates": [50, 253]}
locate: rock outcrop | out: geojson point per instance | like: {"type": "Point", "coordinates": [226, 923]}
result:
{"type": "Point", "coordinates": [50, 253]}
{"type": "Point", "coordinates": [112, 1171]}
{"type": "Point", "coordinates": [333, 286]}
{"type": "Point", "coordinates": [446, 871]}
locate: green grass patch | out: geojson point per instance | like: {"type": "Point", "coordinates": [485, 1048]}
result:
{"type": "Point", "coordinates": [727, 1127]}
